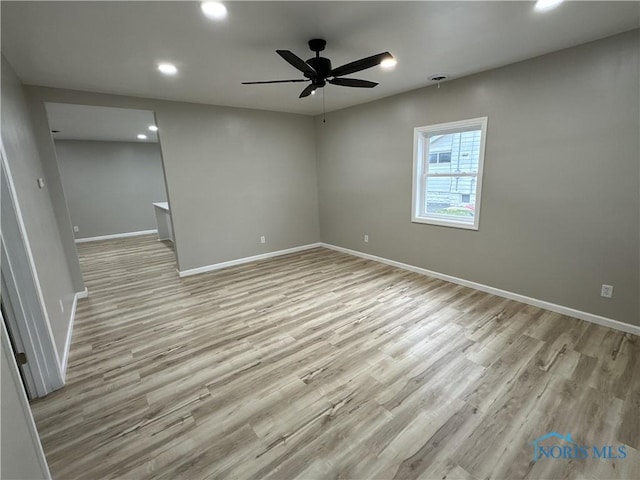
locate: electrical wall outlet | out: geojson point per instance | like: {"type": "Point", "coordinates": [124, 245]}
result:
{"type": "Point", "coordinates": [76, 228]}
{"type": "Point", "coordinates": [606, 291]}
{"type": "Point", "coordinates": [366, 238]}
{"type": "Point", "coordinates": [263, 239]}
{"type": "Point", "coordinates": [41, 183]}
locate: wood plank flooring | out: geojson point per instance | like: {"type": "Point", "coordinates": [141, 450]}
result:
{"type": "Point", "coordinates": [321, 365]}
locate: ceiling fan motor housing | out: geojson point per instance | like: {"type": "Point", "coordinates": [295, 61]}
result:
{"type": "Point", "coordinates": [322, 66]}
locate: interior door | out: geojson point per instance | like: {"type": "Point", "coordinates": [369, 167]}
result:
{"type": "Point", "coordinates": [11, 323]}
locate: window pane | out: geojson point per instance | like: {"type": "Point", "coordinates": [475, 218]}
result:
{"type": "Point", "coordinates": [460, 152]}
{"type": "Point", "coordinates": [433, 157]}
{"type": "Point", "coordinates": [453, 197]}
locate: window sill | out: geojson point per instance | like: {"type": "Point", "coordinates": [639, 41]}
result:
{"type": "Point", "coordinates": [445, 223]}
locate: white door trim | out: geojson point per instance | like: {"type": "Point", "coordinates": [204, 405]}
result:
{"type": "Point", "coordinates": [24, 403]}
{"type": "Point", "coordinates": [34, 326]}
{"type": "Point", "coordinates": [13, 312]}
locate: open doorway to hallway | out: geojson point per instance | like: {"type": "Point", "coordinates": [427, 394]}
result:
{"type": "Point", "coordinates": [110, 163]}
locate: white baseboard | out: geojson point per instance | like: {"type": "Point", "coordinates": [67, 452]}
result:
{"type": "Point", "coordinates": [240, 261]}
{"type": "Point", "coordinates": [116, 235]}
{"type": "Point", "coordinates": [67, 343]}
{"type": "Point", "coordinates": [571, 312]}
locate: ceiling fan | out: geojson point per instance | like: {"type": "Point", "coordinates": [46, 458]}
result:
{"type": "Point", "coordinates": [318, 71]}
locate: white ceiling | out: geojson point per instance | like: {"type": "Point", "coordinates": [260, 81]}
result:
{"type": "Point", "coordinates": [84, 122]}
{"type": "Point", "coordinates": [114, 47]}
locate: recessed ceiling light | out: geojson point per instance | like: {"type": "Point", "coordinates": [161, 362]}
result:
{"type": "Point", "coordinates": [544, 5]}
{"type": "Point", "coordinates": [388, 63]}
{"type": "Point", "coordinates": [167, 68]}
{"type": "Point", "coordinates": [142, 136]}
{"type": "Point", "coordinates": [214, 10]}
{"type": "Point", "coordinates": [153, 128]}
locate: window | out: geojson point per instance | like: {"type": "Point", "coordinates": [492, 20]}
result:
{"type": "Point", "coordinates": [447, 173]}
{"type": "Point", "coordinates": [442, 157]}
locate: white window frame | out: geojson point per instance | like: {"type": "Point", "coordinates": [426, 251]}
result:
{"type": "Point", "coordinates": [421, 137]}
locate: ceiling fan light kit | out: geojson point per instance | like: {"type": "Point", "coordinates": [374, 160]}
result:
{"type": "Point", "coordinates": [319, 72]}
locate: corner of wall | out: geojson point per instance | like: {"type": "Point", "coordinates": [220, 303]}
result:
{"type": "Point", "coordinates": [46, 149]}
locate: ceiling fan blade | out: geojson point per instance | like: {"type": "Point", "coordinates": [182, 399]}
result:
{"type": "Point", "coordinates": [353, 82]}
{"type": "Point", "coordinates": [358, 65]}
{"type": "Point", "coordinates": [296, 61]}
{"type": "Point", "coordinates": [307, 91]}
{"type": "Point", "coordinates": [278, 81]}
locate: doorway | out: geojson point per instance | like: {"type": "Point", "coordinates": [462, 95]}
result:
{"type": "Point", "coordinates": [112, 171]}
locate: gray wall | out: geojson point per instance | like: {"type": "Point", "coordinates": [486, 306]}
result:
{"type": "Point", "coordinates": [44, 142]}
{"type": "Point", "coordinates": [560, 204]}
{"type": "Point", "coordinates": [51, 262]}
{"type": "Point", "coordinates": [232, 175]}
{"type": "Point", "coordinates": [110, 186]}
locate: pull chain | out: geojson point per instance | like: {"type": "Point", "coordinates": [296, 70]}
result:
{"type": "Point", "coordinates": [324, 111]}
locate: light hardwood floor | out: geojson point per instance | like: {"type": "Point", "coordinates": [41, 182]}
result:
{"type": "Point", "coordinates": [322, 365]}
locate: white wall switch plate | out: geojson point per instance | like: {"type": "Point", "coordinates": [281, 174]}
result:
{"type": "Point", "coordinates": [366, 238]}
